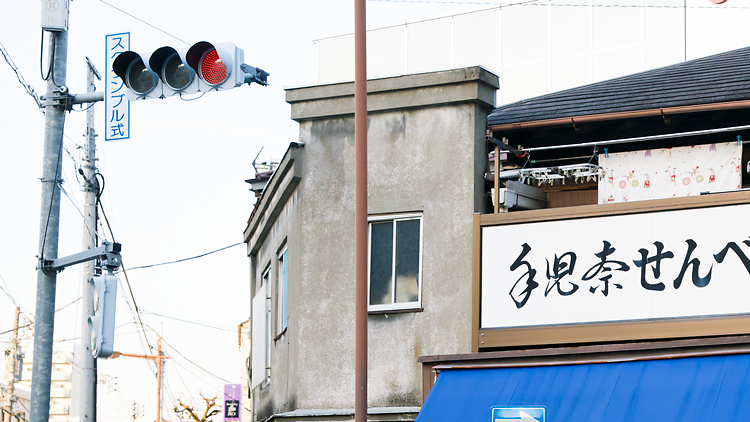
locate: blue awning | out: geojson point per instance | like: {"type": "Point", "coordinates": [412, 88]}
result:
{"type": "Point", "coordinates": [696, 389]}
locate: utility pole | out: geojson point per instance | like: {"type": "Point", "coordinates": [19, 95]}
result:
{"type": "Point", "coordinates": [360, 210]}
{"type": "Point", "coordinates": [87, 387]}
{"type": "Point", "coordinates": [12, 370]}
{"type": "Point", "coordinates": [158, 358]}
{"type": "Point", "coordinates": [56, 100]}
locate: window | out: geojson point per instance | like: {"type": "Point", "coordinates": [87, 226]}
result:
{"type": "Point", "coordinates": [281, 296]}
{"type": "Point", "coordinates": [267, 289]}
{"type": "Point", "coordinates": [261, 336]}
{"type": "Point", "coordinates": [395, 262]}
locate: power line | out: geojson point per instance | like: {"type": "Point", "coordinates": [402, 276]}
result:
{"type": "Point", "coordinates": [471, 3]}
{"type": "Point", "coordinates": [142, 21]}
{"type": "Point", "coordinates": [186, 259]}
{"type": "Point", "coordinates": [195, 364]}
{"type": "Point", "coordinates": [29, 89]}
{"type": "Point", "coordinates": [6, 290]}
{"type": "Point", "coordinates": [32, 322]}
{"type": "Point", "coordinates": [189, 322]}
{"type": "Point", "coordinates": [127, 280]}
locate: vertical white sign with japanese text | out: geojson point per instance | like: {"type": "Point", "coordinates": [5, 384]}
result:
{"type": "Point", "coordinates": [116, 103]}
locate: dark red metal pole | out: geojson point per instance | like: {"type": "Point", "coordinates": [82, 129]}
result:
{"type": "Point", "coordinates": [360, 213]}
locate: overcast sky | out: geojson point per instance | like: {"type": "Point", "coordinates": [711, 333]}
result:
{"type": "Point", "coordinates": [175, 189]}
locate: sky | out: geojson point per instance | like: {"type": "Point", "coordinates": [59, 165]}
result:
{"type": "Point", "coordinates": [174, 190]}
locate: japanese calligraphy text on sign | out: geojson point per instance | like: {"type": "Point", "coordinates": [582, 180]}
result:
{"type": "Point", "coordinates": [671, 264]}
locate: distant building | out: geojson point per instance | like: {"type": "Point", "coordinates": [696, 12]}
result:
{"type": "Point", "coordinates": [539, 47]}
{"type": "Point", "coordinates": [62, 374]}
{"type": "Point", "coordinates": [246, 407]}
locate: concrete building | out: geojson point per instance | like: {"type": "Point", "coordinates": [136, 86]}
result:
{"type": "Point", "coordinates": [62, 375]}
{"type": "Point", "coordinates": [427, 162]}
{"type": "Point", "coordinates": [555, 308]}
{"type": "Point", "coordinates": [628, 304]}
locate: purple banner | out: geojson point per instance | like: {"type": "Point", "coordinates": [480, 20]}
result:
{"type": "Point", "coordinates": [232, 400]}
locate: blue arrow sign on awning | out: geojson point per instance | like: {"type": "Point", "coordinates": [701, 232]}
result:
{"type": "Point", "coordinates": [519, 413]}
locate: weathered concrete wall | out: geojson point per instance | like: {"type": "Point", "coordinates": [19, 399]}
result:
{"type": "Point", "coordinates": [429, 159]}
{"type": "Point", "coordinates": [276, 225]}
{"type": "Point", "coordinates": [426, 154]}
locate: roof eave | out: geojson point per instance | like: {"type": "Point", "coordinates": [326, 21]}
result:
{"type": "Point", "coordinates": [572, 120]}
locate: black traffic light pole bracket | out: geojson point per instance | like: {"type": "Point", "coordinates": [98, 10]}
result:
{"type": "Point", "coordinates": [255, 74]}
{"type": "Point", "coordinates": [109, 253]}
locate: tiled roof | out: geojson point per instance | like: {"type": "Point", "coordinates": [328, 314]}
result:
{"type": "Point", "coordinates": [719, 78]}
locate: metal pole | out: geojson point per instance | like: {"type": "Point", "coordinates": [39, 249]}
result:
{"type": "Point", "coordinates": [49, 227]}
{"type": "Point", "coordinates": [87, 387]}
{"type": "Point", "coordinates": [360, 213]}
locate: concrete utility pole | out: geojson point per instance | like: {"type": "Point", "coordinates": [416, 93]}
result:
{"type": "Point", "coordinates": [56, 100]}
{"type": "Point", "coordinates": [360, 212]}
{"type": "Point", "coordinates": [87, 387]}
{"type": "Point", "coordinates": [12, 370]}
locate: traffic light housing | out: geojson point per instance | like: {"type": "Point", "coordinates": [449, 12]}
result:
{"type": "Point", "coordinates": [102, 323]}
{"type": "Point", "coordinates": [168, 71]}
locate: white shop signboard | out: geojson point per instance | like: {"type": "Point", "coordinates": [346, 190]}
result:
{"type": "Point", "coordinates": [635, 267]}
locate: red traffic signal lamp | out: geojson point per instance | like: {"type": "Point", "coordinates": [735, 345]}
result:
{"type": "Point", "coordinates": [168, 71]}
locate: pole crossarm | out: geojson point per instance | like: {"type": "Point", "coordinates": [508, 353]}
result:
{"type": "Point", "coordinates": [109, 253]}
{"type": "Point", "coordinates": [133, 355]}
{"type": "Point", "coordinates": [63, 98]}
{"type": "Point", "coordinates": [88, 97]}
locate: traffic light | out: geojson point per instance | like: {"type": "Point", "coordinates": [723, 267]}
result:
{"type": "Point", "coordinates": [102, 323]}
{"type": "Point", "coordinates": [170, 71]}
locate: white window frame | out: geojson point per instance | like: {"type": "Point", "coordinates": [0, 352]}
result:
{"type": "Point", "coordinates": [282, 289]}
{"type": "Point", "coordinates": [394, 218]}
{"type": "Point", "coordinates": [266, 281]}
{"type": "Point", "coordinates": [261, 351]}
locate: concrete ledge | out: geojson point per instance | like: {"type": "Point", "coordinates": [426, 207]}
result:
{"type": "Point", "coordinates": [465, 85]}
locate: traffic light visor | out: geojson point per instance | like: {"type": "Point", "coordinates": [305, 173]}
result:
{"type": "Point", "coordinates": [172, 69]}
{"type": "Point", "coordinates": [129, 66]}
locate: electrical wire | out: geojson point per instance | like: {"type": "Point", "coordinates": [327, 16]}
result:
{"type": "Point", "coordinates": [184, 384]}
{"type": "Point", "coordinates": [91, 230]}
{"type": "Point", "coordinates": [193, 99]}
{"type": "Point", "coordinates": [122, 265]}
{"type": "Point", "coordinates": [186, 259]}
{"type": "Point", "coordinates": [32, 322]}
{"type": "Point", "coordinates": [83, 109]}
{"type": "Point", "coordinates": [211, 384]}
{"type": "Point", "coordinates": [51, 70]}
{"type": "Point", "coordinates": [189, 322]}
{"type": "Point", "coordinates": [195, 364]}
{"type": "Point", "coordinates": [52, 196]}
{"type": "Point", "coordinates": [142, 21]}
{"type": "Point", "coordinates": [6, 290]}
{"type": "Point", "coordinates": [29, 89]}
{"type": "Point", "coordinates": [647, 6]}
{"type": "Point", "coordinates": [41, 59]}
